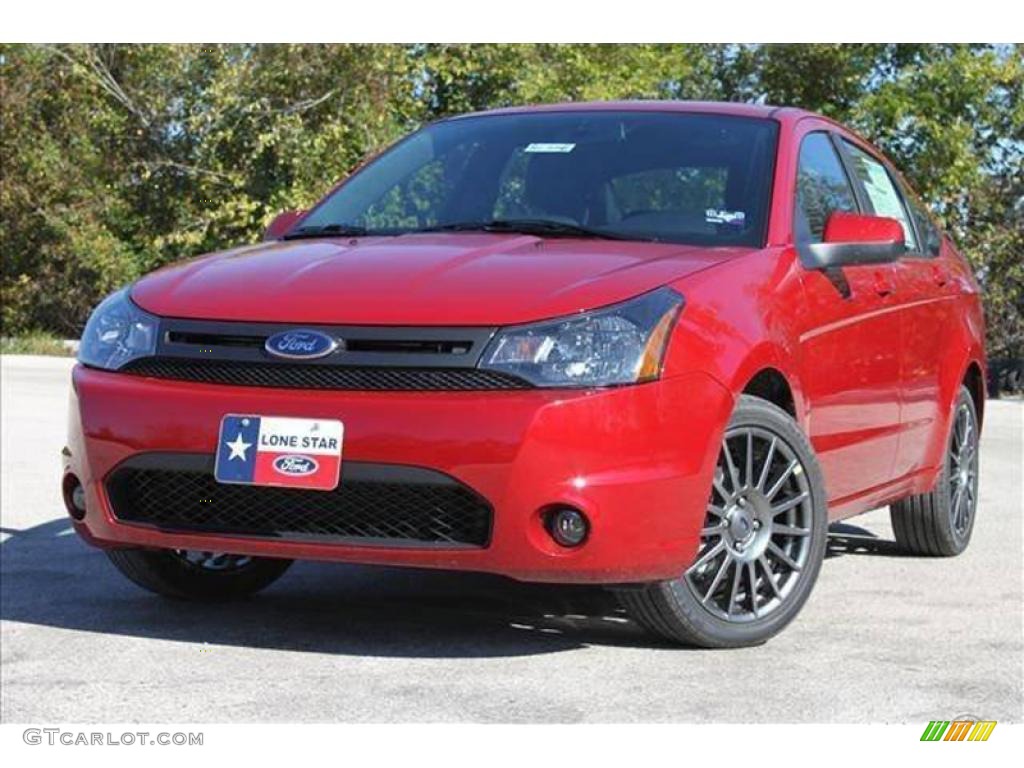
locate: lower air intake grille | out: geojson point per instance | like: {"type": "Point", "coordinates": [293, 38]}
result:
{"type": "Point", "coordinates": [382, 504]}
{"type": "Point", "coordinates": [293, 376]}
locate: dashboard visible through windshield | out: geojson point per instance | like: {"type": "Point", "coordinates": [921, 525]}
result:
{"type": "Point", "coordinates": [671, 177]}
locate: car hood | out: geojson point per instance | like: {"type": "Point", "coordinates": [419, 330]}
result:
{"type": "Point", "coordinates": [422, 279]}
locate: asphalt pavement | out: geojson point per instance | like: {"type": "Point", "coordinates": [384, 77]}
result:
{"type": "Point", "coordinates": [884, 637]}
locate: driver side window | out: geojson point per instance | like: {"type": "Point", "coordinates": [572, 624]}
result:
{"type": "Point", "coordinates": [821, 188]}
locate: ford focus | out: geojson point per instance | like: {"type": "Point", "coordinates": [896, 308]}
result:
{"type": "Point", "coordinates": [652, 346]}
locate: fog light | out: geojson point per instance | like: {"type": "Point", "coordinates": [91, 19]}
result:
{"type": "Point", "coordinates": [568, 526]}
{"type": "Point", "coordinates": [74, 497]}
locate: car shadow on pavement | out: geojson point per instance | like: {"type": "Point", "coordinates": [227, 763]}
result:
{"type": "Point", "coordinates": [49, 577]}
{"type": "Point", "coordinates": [846, 539]}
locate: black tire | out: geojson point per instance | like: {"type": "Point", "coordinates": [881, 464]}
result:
{"type": "Point", "coordinates": [673, 610]}
{"type": "Point", "coordinates": [172, 574]}
{"type": "Point", "coordinates": [929, 524]}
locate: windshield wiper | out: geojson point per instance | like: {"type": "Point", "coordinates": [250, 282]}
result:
{"type": "Point", "coordinates": [545, 227]}
{"type": "Point", "coordinates": [327, 230]}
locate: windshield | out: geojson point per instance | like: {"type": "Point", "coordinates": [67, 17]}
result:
{"type": "Point", "coordinates": [691, 178]}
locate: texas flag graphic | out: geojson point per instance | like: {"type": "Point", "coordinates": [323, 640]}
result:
{"type": "Point", "coordinates": [286, 452]}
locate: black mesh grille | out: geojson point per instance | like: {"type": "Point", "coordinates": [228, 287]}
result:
{"type": "Point", "coordinates": [292, 376]}
{"type": "Point", "coordinates": [438, 511]}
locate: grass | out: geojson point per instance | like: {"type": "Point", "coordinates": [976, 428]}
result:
{"type": "Point", "coordinates": [34, 344]}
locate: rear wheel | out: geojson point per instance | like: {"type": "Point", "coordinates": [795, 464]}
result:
{"type": "Point", "coordinates": [762, 542]}
{"type": "Point", "coordinates": [939, 523]}
{"type": "Point", "coordinates": [196, 575]}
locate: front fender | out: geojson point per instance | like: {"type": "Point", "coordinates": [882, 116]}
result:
{"type": "Point", "coordinates": [740, 319]}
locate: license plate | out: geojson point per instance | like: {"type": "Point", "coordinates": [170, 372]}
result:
{"type": "Point", "coordinates": [284, 452]}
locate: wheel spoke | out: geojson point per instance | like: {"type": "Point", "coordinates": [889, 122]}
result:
{"type": "Point", "coordinates": [748, 474]}
{"type": "Point", "coordinates": [955, 504]}
{"type": "Point", "coordinates": [967, 457]}
{"type": "Point", "coordinates": [789, 562]}
{"type": "Point", "coordinates": [733, 474]}
{"type": "Point", "coordinates": [752, 578]}
{"type": "Point", "coordinates": [769, 575]}
{"type": "Point", "coordinates": [790, 530]}
{"type": "Point", "coordinates": [737, 571]}
{"type": "Point", "coordinates": [713, 530]}
{"type": "Point", "coordinates": [964, 510]}
{"type": "Point", "coordinates": [958, 428]}
{"type": "Point", "coordinates": [708, 556]}
{"type": "Point", "coordinates": [778, 509]}
{"type": "Point", "coordinates": [767, 465]}
{"type": "Point", "coordinates": [782, 480]}
{"type": "Point", "coordinates": [722, 569]}
{"type": "Point", "coordinates": [717, 482]}
{"type": "Point", "coordinates": [716, 510]}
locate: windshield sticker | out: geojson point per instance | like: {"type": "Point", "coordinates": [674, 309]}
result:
{"type": "Point", "coordinates": [717, 216]}
{"type": "Point", "coordinates": [549, 147]}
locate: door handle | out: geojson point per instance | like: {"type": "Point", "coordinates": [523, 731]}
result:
{"type": "Point", "coordinates": [884, 285]}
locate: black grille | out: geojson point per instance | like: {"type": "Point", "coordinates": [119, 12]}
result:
{"type": "Point", "coordinates": [382, 504]}
{"type": "Point", "coordinates": [297, 376]}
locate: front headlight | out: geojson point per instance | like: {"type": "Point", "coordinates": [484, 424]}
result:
{"type": "Point", "coordinates": [117, 332]}
{"type": "Point", "coordinates": [621, 344]}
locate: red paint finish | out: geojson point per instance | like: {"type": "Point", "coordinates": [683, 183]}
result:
{"type": "Point", "coordinates": [464, 279]}
{"type": "Point", "coordinates": [853, 228]}
{"type": "Point", "coordinates": [873, 356]}
{"type": "Point", "coordinates": [281, 223]}
{"type": "Point", "coordinates": [607, 452]}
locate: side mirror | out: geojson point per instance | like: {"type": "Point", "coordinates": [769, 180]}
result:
{"type": "Point", "coordinates": [281, 224]}
{"type": "Point", "coordinates": [854, 239]}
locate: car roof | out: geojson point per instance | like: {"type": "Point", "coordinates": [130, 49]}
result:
{"type": "Point", "coordinates": [703, 107]}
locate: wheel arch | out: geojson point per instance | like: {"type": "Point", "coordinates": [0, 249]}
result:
{"type": "Point", "coordinates": [964, 370]}
{"type": "Point", "coordinates": [770, 384]}
{"type": "Point", "coordinates": [766, 373]}
{"type": "Point", "coordinates": [974, 380]}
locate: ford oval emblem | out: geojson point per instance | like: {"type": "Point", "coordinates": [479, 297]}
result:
{"type": "Point", "coordinates": [301, 344]}
{"type": "Point", "coordinates": [295, 466]}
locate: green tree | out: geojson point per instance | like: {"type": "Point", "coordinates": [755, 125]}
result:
{"type": "Point", "coordinates": [117, 159]}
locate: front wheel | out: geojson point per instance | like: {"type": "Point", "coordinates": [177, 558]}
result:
{"type": "Point", "coordinates": [194, 575]}
{"type": "Point", "coordinates": [762, 542]}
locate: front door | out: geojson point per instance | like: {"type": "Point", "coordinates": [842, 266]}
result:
{"type": "Point", "coordinates": [849, 341]}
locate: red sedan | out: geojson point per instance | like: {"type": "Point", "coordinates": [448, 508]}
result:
{"type": "Point", "coordinates": [656, 346]}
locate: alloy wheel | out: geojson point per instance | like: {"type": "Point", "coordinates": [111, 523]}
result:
{"type": "Point", "coordinates": [963, 471]}
{"type": "Point", "coordinates": [757, 532]}
{"type": "Point", "coordinates": [213, 561]}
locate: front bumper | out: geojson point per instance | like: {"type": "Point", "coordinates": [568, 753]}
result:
{"type": "Point", "coordinates": [638, 461]}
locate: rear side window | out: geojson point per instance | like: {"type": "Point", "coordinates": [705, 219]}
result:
{"type": "Point", "coordinates": [926, 228]}
{"type": "Point", "coordinates": [881, 191]}
{"type": "Point", "coordinates": [822, 187]}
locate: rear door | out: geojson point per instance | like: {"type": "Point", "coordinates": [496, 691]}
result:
{"type": "Point", "coordinates": [850, 342]}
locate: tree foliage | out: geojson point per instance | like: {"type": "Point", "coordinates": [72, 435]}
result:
{"type": "Point", "coordinates": [117, 159]}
